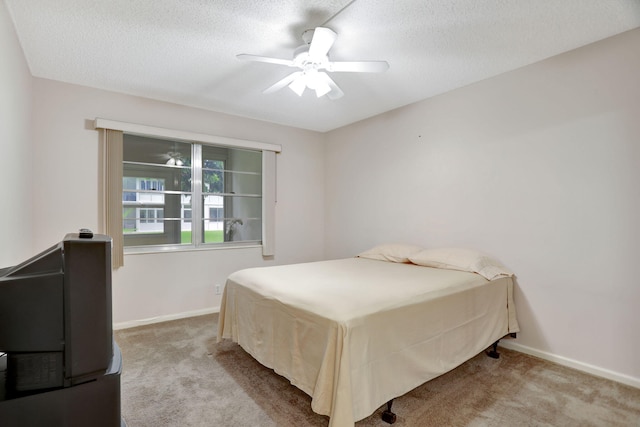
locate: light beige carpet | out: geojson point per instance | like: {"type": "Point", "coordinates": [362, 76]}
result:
{"type": "Point", "coordinates": [176, 375]}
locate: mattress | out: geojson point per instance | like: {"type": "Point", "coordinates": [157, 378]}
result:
{"type": "Point", "coordinates": [355, 333]}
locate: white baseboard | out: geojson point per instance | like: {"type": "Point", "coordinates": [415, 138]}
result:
{"type": "Point", "coordinates": [570, 363]}
{"type": "Point", "coordinates": [166, 318]}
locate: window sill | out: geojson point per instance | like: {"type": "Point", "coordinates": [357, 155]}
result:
{"type": "Point", "coordinates": [186, 248]}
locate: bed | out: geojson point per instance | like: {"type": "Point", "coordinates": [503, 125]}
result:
{"type": "Point", "coordinates": [356, 333]}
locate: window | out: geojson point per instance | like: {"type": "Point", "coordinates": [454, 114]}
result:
{"type": "Point", "coordinates": [176, 189]}
{"type": "Point", "coordinates": [177, 193]}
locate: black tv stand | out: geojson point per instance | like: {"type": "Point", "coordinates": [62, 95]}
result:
{"type": "Point", "coordinates": [92, 403]}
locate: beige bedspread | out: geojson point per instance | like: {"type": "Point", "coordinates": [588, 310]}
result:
{"type": "Point", "coordinates": [355, 333]}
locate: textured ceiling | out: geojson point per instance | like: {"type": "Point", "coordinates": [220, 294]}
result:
{"type": "Point", "coordinates": [184, 51]}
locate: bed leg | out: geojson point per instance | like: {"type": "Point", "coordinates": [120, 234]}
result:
{"type": "Point", "coordinates": [388, 416]}
{"type": "Point", "coordinates": [493, 353]}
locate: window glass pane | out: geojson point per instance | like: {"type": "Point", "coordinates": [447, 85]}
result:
{"type": "Point", "coordinates": [213, 219]}
{"type": "Point", "coordinates": [158, 197]}
{"type": "Point", "coordinates": [156, 151]}
{"type": "Point", "coordinates": [229, 170]}
{"type": "Point", "coordinates": [213, 176]}
{"type": "Point", "coordinates": [244, 173]}
{"type": "Point", "coordinates": [232, 189]}
{"type": "Point", "coordinates": [154, 171]}
{"type": "Point", "coordinates": [242, 220]}
{"type": "Point", "coordinates": [213, 164]}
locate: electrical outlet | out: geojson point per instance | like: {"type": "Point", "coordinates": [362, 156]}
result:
{"type": "Point", "coordinates": [217, 289]}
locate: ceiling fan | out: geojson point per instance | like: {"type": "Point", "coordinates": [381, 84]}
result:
{"type": "Point", "coordinates": [313, 61]}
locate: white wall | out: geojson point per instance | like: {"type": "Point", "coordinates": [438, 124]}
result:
{"type": "Point", "coordinates": [539, 167]}
{"type": "Point", "coordinates": [15, 147]}
{"type": "Point", "coordinates": [67, 191]}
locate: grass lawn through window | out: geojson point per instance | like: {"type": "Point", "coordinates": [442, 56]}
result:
{"type": "Point", "coordinates": [210, 236]}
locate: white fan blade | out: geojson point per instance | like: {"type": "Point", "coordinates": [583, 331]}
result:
{"type": "Point", "coordinates": [256, 58]}
{"type": "Point", "coordinates": [359, 66]}
{"type": "Point", "coordinates": [321, 42]}
{"type": "Point", "coordinates": [335, 91]}
{"type": "Point", "coordinates": [282, 83]}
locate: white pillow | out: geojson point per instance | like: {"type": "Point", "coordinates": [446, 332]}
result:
{"type": "Point", "coordinates": [461, 259]}
{"type": "Point", "coordinates": [394, 252]}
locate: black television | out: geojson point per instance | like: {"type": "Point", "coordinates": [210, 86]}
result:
{"type": "Point", "coordinates": [59, 364]}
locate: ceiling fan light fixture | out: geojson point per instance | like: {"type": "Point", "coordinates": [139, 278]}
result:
{"type": "Point", "coordinates": [298, 85]}
{"type": "Point", "coordinates": [323, 91]}
{"type": "Point", "coordinates": [322, 88]}
{"type": "Point", "coordinates": [311, 79]}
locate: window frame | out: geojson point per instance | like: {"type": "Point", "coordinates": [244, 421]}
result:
{"type": "Point", "coordinates": [268, 150]}
{"type": "Point", "coordinates": [161, 173]}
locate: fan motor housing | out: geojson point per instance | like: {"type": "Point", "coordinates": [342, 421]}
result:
{"type": "Point", "coordinates": [307, 35]}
